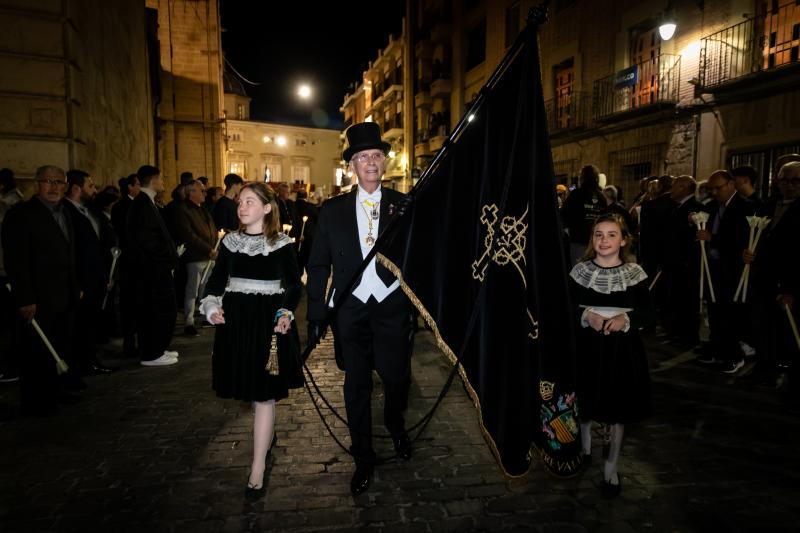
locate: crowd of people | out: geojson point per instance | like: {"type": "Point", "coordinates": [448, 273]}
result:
{"type": "Point", "coordinates": [83, 265]}
{"type": "Point", "coordinates": [667, 245]}
{"type": "Point", "coordinates": [679, 245]}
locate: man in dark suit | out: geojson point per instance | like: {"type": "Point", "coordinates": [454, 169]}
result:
{"type": "Point", "coordinates": [286, 206]}
{"type": "Point", "coordinates": [40, 262]}
{"type": "Point", "coordinates": [653, 222]}
{"type": "Point", "coordinates": [681, 266]}
{"type": "Point", "coordinates": [727, 234]}
{"type": "Point", "coordinates": [92, 252]}
{"type": "Point", "coordinates": [127, 277]}
{"type": "Point", "coordinates": [373, 324]}
{"type": "Point", "coordinates": [304, 230]}
{"type": "Point", "coordinates": [153, 259]}
{"type": "Point", "coordinates": [225, 215]}
{"type": "Point", "coordinates": [196, 230]}
{"type": "Point", "coordinates": [774, 282]}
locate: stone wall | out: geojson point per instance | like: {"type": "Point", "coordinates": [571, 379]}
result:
{"type": "Point", "coordinates": [76, 92]}
{"type": "Point", "coordinates": [190, 109]}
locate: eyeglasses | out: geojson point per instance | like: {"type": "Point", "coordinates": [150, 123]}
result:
{"type": "Point", "coordinates": [55, 183]}
{"type": "Point", "coordinates": [375, 157]}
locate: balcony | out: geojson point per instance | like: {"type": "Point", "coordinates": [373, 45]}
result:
{"type": "Point", "coordinates": [393, 128]}
{"type": "Point", "coordinates": [766, 44]}
{"type": "Point", "coordinates": [642, 88]}
{"type": "Point", "coordinates": [395, 87]}
{"type": "Point", "coordinates": [441, 87]}
{"type": "Point", "coordinates": [422, 99]}
{"type": "Point", "coordinates": [569, 112]}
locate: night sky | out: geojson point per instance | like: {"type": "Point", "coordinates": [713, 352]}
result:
{"type": "Point", "coordinates": [326, 44]}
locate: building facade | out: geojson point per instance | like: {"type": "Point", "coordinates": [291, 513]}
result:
{"type": "Point", "coordinates": [110, 86]}
{"type": "Point", "coordinates": [77, 90]}
{"type": "Point", "coordinates": [721, 92]}
{"type": "Point", "coordinates": [189, 103]}
{"type": "Point", "coordinates": [382, 96]}
{"type": "Point", "coordinates": [264, 151]}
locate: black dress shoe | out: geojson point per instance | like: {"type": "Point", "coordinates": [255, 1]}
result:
{"type": "Point", "coordinates": [252, 494]}
{"type": "Point", "coordinates": [609, 490]}
{"type": "Point", "coordinates": [362, 477]}
{"type": "Point", "coordinates": [191, 331]}
{"type": "Point", "coordinates": [402, 447]}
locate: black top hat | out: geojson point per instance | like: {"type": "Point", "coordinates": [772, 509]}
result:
{"type": "Point", "coordinates": [364, 136]}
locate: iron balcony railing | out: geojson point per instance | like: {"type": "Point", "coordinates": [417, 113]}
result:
{"type": "Point", "coordinates": [652, 83]}
{"type": "Point", "coordinates": [569, 112]}
{"type": "Point", "coordinates": [766, 42]}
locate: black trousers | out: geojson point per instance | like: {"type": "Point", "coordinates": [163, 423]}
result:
{"type": "Point", "coordinates": [375, 336]}
{"type": "Point", "coordinates": [128, 308]}
{"type": "Point", "coordinates": [84, 351]}
{"type": "Point", "coordinates": [39, 384]}
{"type": "Point", "coordinates": [156, 315]}
{"type": "Point", "coordinates": [683, 302]}
{"type": "Point", "coordinates": [724, 315]}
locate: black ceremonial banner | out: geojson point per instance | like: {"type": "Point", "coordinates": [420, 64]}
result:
{"type": "Point", "coordinates": [484, 232]}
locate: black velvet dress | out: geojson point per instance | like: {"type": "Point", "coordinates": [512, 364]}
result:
{"type": "Point", "coordinates": [251, 280]}
{"type": "Point", "coordinates": [613, 378]}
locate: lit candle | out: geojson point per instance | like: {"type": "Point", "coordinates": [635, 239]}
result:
{"type": "Point", "coordinates": [220, 235]}
{"type": "Point", "coordinates": [302, 230]}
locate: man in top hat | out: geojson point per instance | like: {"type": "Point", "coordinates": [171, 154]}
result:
{"type": "Point", "coordinates": [373, 325]}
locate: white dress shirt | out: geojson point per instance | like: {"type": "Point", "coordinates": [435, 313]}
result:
{"type": "Point", "coordinates": [371, 284]}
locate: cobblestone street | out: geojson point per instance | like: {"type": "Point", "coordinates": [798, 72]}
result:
{"type": "Point", "coordinates": [152, 449]}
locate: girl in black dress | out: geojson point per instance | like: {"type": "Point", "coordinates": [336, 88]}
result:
{"type": "Point", "coordinates": [256, 341]}
{"type": "Point", "coordinates": [613, 376]}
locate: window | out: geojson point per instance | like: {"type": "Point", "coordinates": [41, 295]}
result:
{"type": "Point", "coordinates": [627, 167]}
{"type": "Point", "coordinates": [564, 77]}
{"type": "Point", "coordinates": [781, 33]}
{"type": "Point", "coordinates": [645, 53]}
{"type": "Point", "coordinates": [301, 171]}
{"type": "Point", "coordinates": [238, 167]}
{"type": "Point", "coordinates": [512, 23]}
{"type": "Point", "coordinates": [476, 45]}
{"type": "Point", "coordinates": [236, 136]}
{"type": "Point", "coordinates": [764, 160]}
{"type": "Point", "coordinates": [300, 141]}
{"type": "Point", "coordinates": [240, 111]}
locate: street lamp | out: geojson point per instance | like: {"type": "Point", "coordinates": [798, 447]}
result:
{"type": "Point", "coordinates": [304, 91]}
{"type": "Point", "coordinates": [281, 141]}
{"type": "Point", "coordinates": [667, 30]}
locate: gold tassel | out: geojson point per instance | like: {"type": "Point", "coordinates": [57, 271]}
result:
{"type": "Point", "coordinates": [272, 362]}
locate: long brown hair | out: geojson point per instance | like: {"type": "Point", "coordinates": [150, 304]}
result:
{"type": "Point", "coordinates": [624, 251]}
{"type": "Point", "coordinates": [272, 220]}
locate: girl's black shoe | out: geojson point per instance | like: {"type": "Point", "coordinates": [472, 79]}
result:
{"type": "Point", "coordinates": [609, 490]}
{"type": "Point", "coordinates": [252, 494]}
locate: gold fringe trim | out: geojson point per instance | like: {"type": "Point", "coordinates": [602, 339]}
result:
{"type": "Point", "coordinates": [448, 352]}
{"type": "Point", "coordinates": [272, 362]}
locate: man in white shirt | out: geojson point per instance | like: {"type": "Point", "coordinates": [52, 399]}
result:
{"type": "Point", "coordinates": [373, 325]}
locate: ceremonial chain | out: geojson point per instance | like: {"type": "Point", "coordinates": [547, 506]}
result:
{"type": "Point", "coordinates": [371, 215]}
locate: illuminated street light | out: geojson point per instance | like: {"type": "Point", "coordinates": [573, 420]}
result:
{"type": "Point", "coordinates": [304, 92]}
{"type": "Point", "coordinates": [667, 30]}
{"type": "Point", "coordinates": [470, 118]}
{"type": "Point", "coordinates": [281, 141]}
{"type": "Point", "coordinates": [392, 154]}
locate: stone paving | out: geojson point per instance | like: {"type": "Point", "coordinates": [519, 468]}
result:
{"type": "Point", "coordinates": [152, 449]}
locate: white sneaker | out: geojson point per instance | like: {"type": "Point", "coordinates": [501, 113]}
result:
{"type": "Point", "coordinates": [164, 360]}
{"type": "Point", "coordinates": [171, 353]}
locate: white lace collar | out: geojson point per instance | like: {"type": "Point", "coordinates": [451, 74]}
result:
{"type": "Point", "coordinates": [251, 245]}
{"type": "Point", "coordinates": [607, 280]}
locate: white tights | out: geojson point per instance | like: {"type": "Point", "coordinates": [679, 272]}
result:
{"type": "Point", "coordinates": [263, 430]}
{"type": "Point", "coordinates": [614, 447]}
